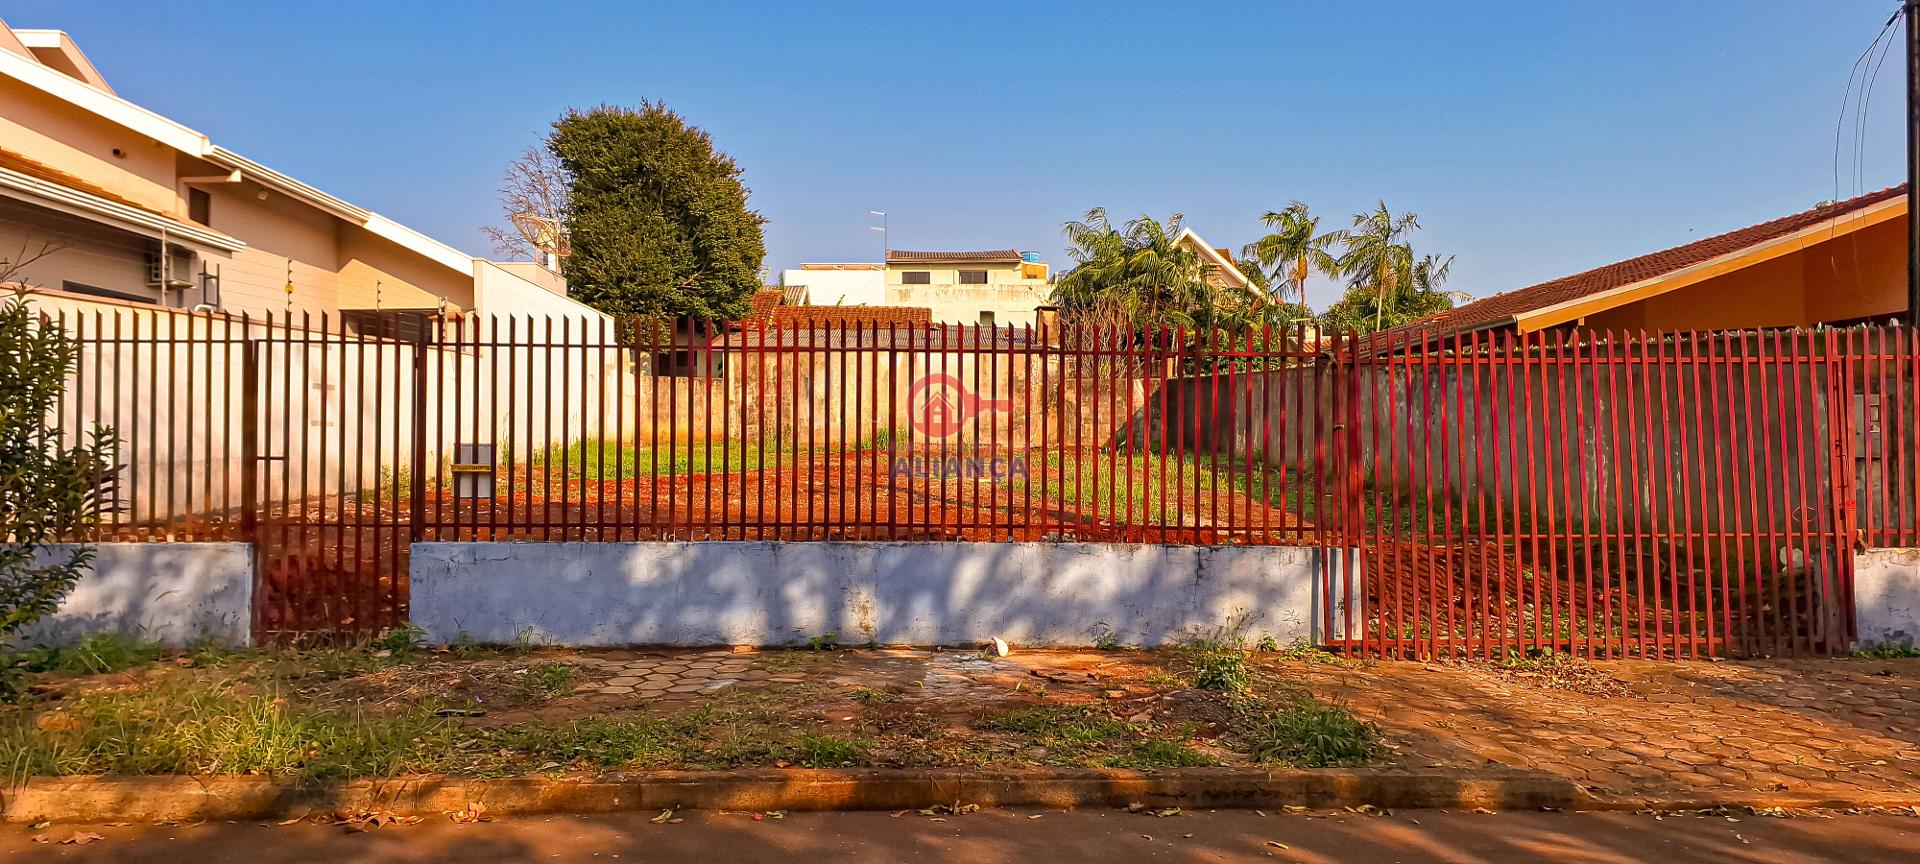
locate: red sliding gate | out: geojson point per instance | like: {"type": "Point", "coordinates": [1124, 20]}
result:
{"type": "Point", "coordinates": [1672, 495]}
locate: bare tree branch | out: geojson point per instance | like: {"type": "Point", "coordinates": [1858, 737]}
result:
{"type": "Point", "coordinates": [31, 250]}
{"type": "Point", "coordinates": [533, 196]}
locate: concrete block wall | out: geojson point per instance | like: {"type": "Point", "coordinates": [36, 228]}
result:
{"type": "Point", "coordinates": [1886, 596]}
{"type": "Point", "coordinates": [175, 593]}
{"type": "Point", "coordinates": [764, 593]}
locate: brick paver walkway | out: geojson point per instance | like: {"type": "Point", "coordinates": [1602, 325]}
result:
{"type": "Point", "coordinates": [1615, 727]}
{"type": "Point", "coordinates": [1803, 726]}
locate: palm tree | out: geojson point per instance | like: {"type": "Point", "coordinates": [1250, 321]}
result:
{"type": "Point", "coordinates": [1377, 257]}
{"type": "Point", "coordinates": [1293, 250]}
{"type": "Point", "coordinates": [1138, 274]}
{"type": "Point", "coordinates": [1387, 284]}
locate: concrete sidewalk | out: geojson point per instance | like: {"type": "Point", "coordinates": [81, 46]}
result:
{"type": "Point", "coordinates": [1629, 728]}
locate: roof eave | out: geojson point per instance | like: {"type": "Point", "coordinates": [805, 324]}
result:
{"type": "Point", "coordinates": [66, 199]}
{"type": "Point", "coordinates": [1653, 286]}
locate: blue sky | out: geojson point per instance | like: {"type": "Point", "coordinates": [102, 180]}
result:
{"type": "Point", "coordinates": [1534, 139]}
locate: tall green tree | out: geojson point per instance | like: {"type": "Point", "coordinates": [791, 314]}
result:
{"type": "Point", "coordinates": [1293, 249]}
{"type": "Point", "coordinates": [46, 491]}
{"type": "Point", "coordinates": [656, 219]}
{"type": "Point", "coordinates": [1387, 284]}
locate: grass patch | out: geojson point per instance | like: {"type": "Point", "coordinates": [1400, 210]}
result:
{"type": "Point", "coordinates": [97, 654]}
{"type": "Point", "coordinates": [827, 751]}
{"type": "Point", "coordinates": [1888, 651]}
{"type": "Point", "coordinates": [1068, 732]}
{"type": "Point", "coordinates": [1307, 734]}
{"type": "Point", "coordinates": [596, 741]}
{"type": "Point", "coordinates": [189, 727]}
{"type": "Point", "coordinates": [1159, 753]}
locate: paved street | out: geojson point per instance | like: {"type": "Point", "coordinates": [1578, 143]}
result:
{"type": "Point", "coordinates": [1009, 835]}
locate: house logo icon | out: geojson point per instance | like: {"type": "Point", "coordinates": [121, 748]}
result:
{"type": "Point", "coordinates": [939, 405]}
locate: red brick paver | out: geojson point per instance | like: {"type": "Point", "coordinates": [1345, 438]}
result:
{"type": "Point", "coordinates": [1799, 726]}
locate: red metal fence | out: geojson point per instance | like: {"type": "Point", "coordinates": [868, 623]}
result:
{"type": "Point", "coordinates": [1657, 495]}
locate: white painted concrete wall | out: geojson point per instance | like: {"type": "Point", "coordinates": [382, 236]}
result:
{"type": "Point", "coordinates": [1886, 596]}
{"type": "Point", "coordinates": [760, 593]}
{"type": "Point", "coordinates": [171, 592]}
{"type": "Point", "coordinates": [839, 287]}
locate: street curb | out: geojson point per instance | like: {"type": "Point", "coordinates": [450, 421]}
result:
{"type": "Point", "coordinates": [181, 798]}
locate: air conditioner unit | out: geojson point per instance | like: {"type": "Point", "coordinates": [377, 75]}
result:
{"type": "Point", "coordinates": [164, 273]}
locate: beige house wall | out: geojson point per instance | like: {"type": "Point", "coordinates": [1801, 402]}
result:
{"type": "Point", "coordinates": [1009, 297]}
{"type": "Point", "coordinates": [88, 254]}
{"type": "Point", "coordinates": [46, 130]}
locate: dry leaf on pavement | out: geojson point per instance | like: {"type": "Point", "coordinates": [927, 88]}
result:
{"type": "Point", "coordinates": [473, 812]}
{"type": "Point", "coordinates": [78, 838]}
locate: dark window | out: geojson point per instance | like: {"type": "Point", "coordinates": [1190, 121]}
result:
{"type": "Point", "coordinates": [95, 291]}
{"type": "Point", "coordinates": [200, 206]}
{"type": "Point", "coordinates": [689, 364]}
{"type": "Point", "coordinates": [973, 277]}
{"type": "Point", "coordinates": [404, 325]}
{"type": "Point", "coordinates": [986, 318]}
{"type": "Point", "coordinates": [916, 277]}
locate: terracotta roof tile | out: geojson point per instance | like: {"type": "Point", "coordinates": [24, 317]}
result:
{"type": "Point", "coordinates": [1500, 308]}
{"type": "Point", "coordinates": [38, 170]}
{"type": "Point", "coordinates": [1010, 256]}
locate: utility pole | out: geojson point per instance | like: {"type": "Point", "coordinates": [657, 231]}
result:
{"type": "Point", "coordinates": [1912, 10]}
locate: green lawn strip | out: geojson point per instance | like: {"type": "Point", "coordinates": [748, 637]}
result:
{"type": "Point", "coordinates": [258, 712]}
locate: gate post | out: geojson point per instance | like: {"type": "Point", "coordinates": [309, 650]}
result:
{"type": "Point", "coordinates": [1844, 519]}
{"type": "Point", "coordinates": [417, 488]}
{"type": "Point", "coordinates": [250, 467]}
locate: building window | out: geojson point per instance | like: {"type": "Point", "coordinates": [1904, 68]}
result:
{"type": "Point", "coordinates": [973, 277]}
{"type": "Point", "coordinates": [402, 325]}
{"type": "Point", "coordinates": [96, 291]}
{"type": "Point", "coordinates": [916, 277]}
{"type": "Point", "coordinates": [200, 206]}
{"type": "Point", "coordinates": [689, 364]}
{"type": "Point", "coordinates": [986, 318]}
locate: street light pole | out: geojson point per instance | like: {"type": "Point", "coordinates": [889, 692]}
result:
{"type": "Point", "coordinates": [1911, 8]}
{"type": "Point", "coordinates": [886, 240]}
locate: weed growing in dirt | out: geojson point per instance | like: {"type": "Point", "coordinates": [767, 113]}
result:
{"type": "Point", "coordinates": [1888, 651]}
{"type": "Point", "coordinates": [598, 741]}
{"type": "Point", "coordinates": [400, 641]}
{"type": "Point", "coordinates": [1307, 734]}
{"type": "Point", "coordinates": [1071, 727]}
{"type": "Point", "coordinates": [546, 681]}
{"type": "Point", "coordinates": [1219, 669]}
{"type": "Point", "coordinates": [827, 751]}
{"type": "Point", "coordinates": [827, 641]}
{"type": "Point", "coordinates": [465, 647]}
{"type": "Point", "coordinates": [1534, 660]}
{"type": "Point", "coordinates": [1159, 753]}
{"type": "Point", "coordinates": [1104, 638]}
